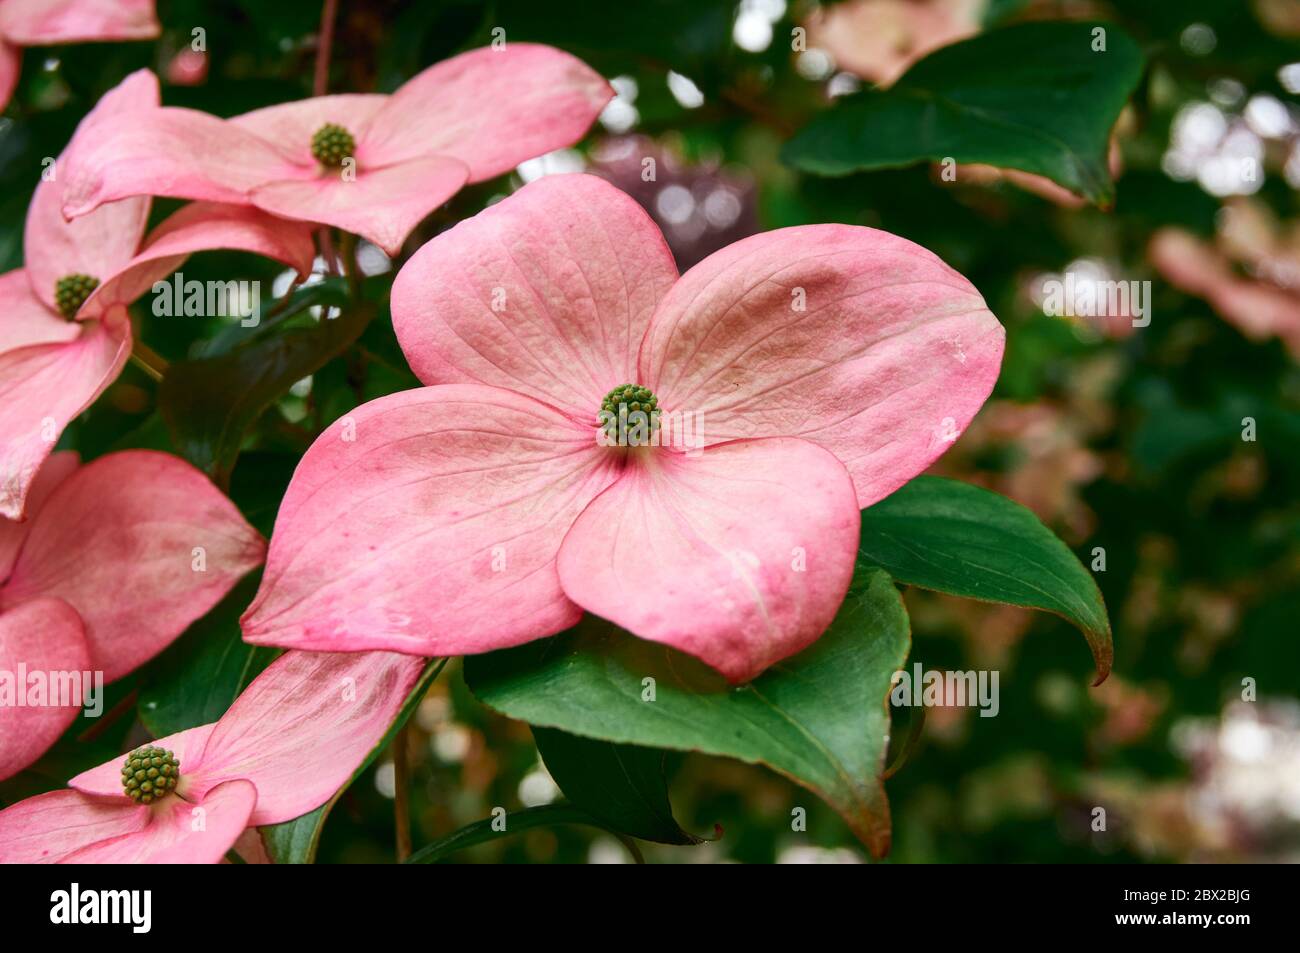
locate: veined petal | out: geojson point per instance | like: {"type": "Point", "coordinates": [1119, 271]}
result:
{"type": "Point", "coordinates": [293, 124]}
{"type": "Point", "coordinates": [57, 468]}
{"type": "Point", "coordinates": [179, 831]}
{"type": "Point", "coordinates": [201, 226]}
{"type": "Point", "coordinates": [49, 22]}
{"type": "Point", "coordinates": [49, 827]}
{"type": "Point", "coordinates": [46, 638]}
{"type": "Point", "coordinates": [491, 108]}
{"type": "Point", "coordinates": [303, 726]}
{"type": "Point", "coordinates": [853, 338]}
{"type": "Point", "coordinates": [25, 319]}
{"type": "Point", "coordinates": [547, 293]}
{"type": "Point", "coordinates": [427, 522]}
{"type": "Point", "coordinates": [382, 205]}
{"type": "Point", "coordinates": [180, 153]}
{"type": "Point", "coordinates": [740, 555]}
{"type": "Point", "coordinates": [42, 388]}
{"type": "Point", "coordinates": [141, 544]}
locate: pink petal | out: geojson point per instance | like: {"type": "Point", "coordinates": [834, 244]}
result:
{"type": "Point", "coordinates": [97, 244]}
{"type": "Point", "coordinates": [490, 108]}
{"type": "Point", "coordinates": [11, 64]}
{"type": "Point", "coordinates": [48, 22]}
{"type": "Point", "coordinates": [46, 637]}
{"type": "Point", "coordinates": [890, 358]}
{"type": "Point", "coordinates": [251, 848]}
{"type": "Point", "coordinates": [201, 226]}
{"type": "Point", "coordinates": [141, 544]}
{"type": "Point", "coordinates": [433, 531]}
{"type": "Point", "coordinates": [382, 205]}
{"type": "Point", "coordinates": [548, 292]}
{"type": "Point", "coordinates": [42, 388]}
{"type": "Point", "coordinates": [106, 779]}
{"type": "Point", "coordinates": [293, 124]}
{"type": "Point", "coordinates": [57, 468]}
{"type": "Point", "coordinates": [179, 831]}
{"type": "Point", "coordinates": [49, 827]}
{"type": "Point", "coordinates": [303, 726]}
{"type": "Point", "coordinates": [739, 556]}
{"type": "Point", "coordinates": [25, 319]}
{"type": "Point", "coordinates": [181, 153]}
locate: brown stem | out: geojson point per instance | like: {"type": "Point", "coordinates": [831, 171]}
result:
{"type": "Point", "coordinates": [402, 795]}
{"type": "Point", "coordinates": [321, 80]}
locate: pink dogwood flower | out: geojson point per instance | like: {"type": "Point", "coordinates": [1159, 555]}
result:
{"type": "Point", "coordinates": [115, 560]}
{"type": "Point", "coordinates": [56, 22]}
{"type": "Point", "coordinates": [64, 328]}
{"type": "Point", "coordinates": [826, 366]}
{"type": "Point", "coordinates": [370, 164]}
{"type": "Point", "coordinates": [285, 746]}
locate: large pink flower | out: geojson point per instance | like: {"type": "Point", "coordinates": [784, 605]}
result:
{"type": "Point", "coordinates": [827, 365]}
{"type": "Point", "coordinates": [53, 22]}
{"type": "Point", "coordinates": [62, 344]}
{"type": "Point", "coordinates": [115, 560]}
{"type": "Point", "coordinates": [286, 745]}
{"type": "Point", "coordinates": [367, 163]}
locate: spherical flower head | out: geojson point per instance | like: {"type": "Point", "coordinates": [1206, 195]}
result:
{"type": "Point", "coordinates": [150, 773]}
{"type": "Point", "coordinates": [71, 292]}
{"type": "Point", "coordinates": [331, 144]}
{"type": "Point", "coordinates": [629, 415]}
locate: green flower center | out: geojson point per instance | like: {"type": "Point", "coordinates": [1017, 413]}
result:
{"type": "Point", "coordinates": [150, 773]}
{"type": "Point", "coordinates": [331, 144]}
{"type": "Point", "coordinates": [629, 415]}
{"type": "Point", "coordinates": [71, 292]}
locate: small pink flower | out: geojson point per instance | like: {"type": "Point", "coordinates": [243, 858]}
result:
{"type": "Point", "coordinates": [64, 328]}
{"type": "Point", "coordinates": [284, 748]}
{"type": "Point", "coordinates": [826, 365]}
{"type": "Point", "coordinates": [55, 22]}
{"type": "Point", "coordinates": [115, 560]}
{"type": "Point", "coordinates": [367, 163]}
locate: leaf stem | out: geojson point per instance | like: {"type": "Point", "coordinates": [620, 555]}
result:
{"type": "Point", "coordinates": [148, 360]}
{"type": "Point", "coordinates": [324, 43]}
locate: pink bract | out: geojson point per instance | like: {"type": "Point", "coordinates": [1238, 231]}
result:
{"type": "Point", "coordinates": [115, 560]}
{"type": "Point", "coordinates": [829, 364]}
{"type": "Point", "coordinates": [466, 119]}
{"type": "Point", "coordinates": [52, 367]}
{"type": "Point", "coordinates": [284, 748]}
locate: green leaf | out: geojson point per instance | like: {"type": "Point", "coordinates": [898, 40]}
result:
{"type": "Point", "coordinates": [209, 403]}
{"type": "Point", "coordinates": [516, 822]}
{"type": "Point", "coordinates": [621, 785]}
{"type": "Point", "coordinates": [952, 537]}
{"type": "Point", "coordinates": [295, 841]}
{"type": "Point", "coordinates": [819, 718]}
{"type": "Point", "coordinates": [203, 672]}
{"type": "Point", "coordinates": [1034, 97]}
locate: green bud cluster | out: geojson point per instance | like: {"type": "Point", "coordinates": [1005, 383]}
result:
{"type": "Point", "coordinates": [636, 400]}
{"type": "Point", "coordinates": [149, 774]}
{"type": "Point", "coordinates": [71, 292]}
{"type": "Point", "coordinates": [331, 144]}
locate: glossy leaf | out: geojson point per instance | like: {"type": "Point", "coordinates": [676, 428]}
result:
{"type": "Point", "coordinates": [820, 718]}
{"type": "Point", "coordinates": [952, 537]}
{"type": "Point", "coordinates": [208, 404]}
{"type": "Point", "coordinates": [1036, 97]}
{"type": "Point", "coordinates": [621, 785]}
